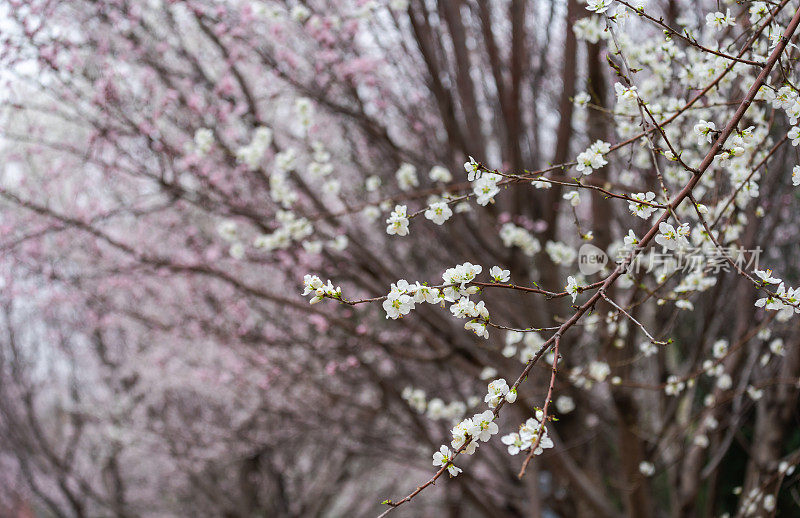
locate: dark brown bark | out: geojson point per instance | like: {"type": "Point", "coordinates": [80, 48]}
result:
{"type": "Point", "coordinates": [444, 101]}
{"type": "Point", "coordinates": [451, 12]}
{"type": "Point", "coordinates": [569, 74]}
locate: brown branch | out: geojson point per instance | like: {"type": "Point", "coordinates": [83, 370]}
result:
{"type": "Point", "coordinates": [645, 241]}
{"type": "Point", "coordinates": [547, 401]}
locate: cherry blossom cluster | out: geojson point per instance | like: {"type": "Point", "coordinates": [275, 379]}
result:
{"type": "Point", "coordinates": [466, 436]}
{"type": "Point", "coordinates": [291, 229]}
{"type": "Point", "coordinates": [251, 154]}
{"type": "Point", "coordinates": [314, 286]}
{"type": "Point", "coordinates": [531, 343]}
{"type": "Point", "coordinates": [513, 235]}
{"type": "Point", "coordinates": [784, 300]}
{"type": "Point", "coordinates": [598, 6]}
{"type": "Point", "coordinates": [757, 501]}
{"type": "Point", "coordinates": [596, 372]}
{"type": "Point", "coordinates": [397, 222]}
{"type": "Point", "coordinates": [593, 158]}
{"type": "Point", "coordinates": [402, 297]}
{"type": "Point", "coordinates": [436, 409]}
{"type": "Point", "coordinates": [643, 207]}
{"type": "Point", "coordinates": [500, 391]}
{"type": "Point", "coordinates": [675, 96]}
{"type": "Point", "coordinates": [641, 101]}
{"type": "Point", "coordinates": [560, 253]}
{"type": "Point", "coordinates": [407, 177]}
{"type": "Point", "coordinates": [485, 188]}
{"type": "Point", "coordinates": [673, 238]}
{"type": "Point", "coordinates": [528, 435]}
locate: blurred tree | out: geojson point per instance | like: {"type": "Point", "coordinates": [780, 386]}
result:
{"type": "Point", "coordinates": [172, 170]}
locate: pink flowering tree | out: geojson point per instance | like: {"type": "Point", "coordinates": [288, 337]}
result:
{"type": "Point", "coordinates": [548, 248]}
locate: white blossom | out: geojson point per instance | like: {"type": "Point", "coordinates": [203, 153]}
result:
{"type": "Point", "coordinates": [398, 5]}
{"type": "Point", "coordinates": [529, 433]}
{"type": "Point", "coordinates": [560, 253]}
{"type": "Point", "coordinates": [794, 135]}
{"type": "Point", "coordinates": [757, 11]}
{"type": "Point", "coordinates": [599, 371]}
{"type": "Point", "coordinates": [427, 294]}
{"type": "Point", "coordinates": [674, 386]}
{"type": "Point", "coordinates": [498, 391]}
{"type": "Point", "coordinates": [252, 153]}
{"type": "Point", "coordinates": [461, 275]}
{"type": "Point", "coordinates": [228, 230]}
{"type": "Point", "coordinates": [514, 442]}
{"type": "Point", "coordinates": [339, 243]}
{"type": "Point", "coordinates": [720, 348]}
{"type": "Point", "coordinates": [627, 97]}
{"type": "Point", "coordinates": [706, 131]}
{"type": "Point", "coordinates": [671, 238]}
{"type": "Point", "coordinates": [630, 239]}
{"type": "Point", "coordinates": [438, 212]}
{"type": "Point", "coordinates": [440, 174]}
{"type": "Point", "coordinates": [598, 6]}
{"type": "Point", "coordinates": [592, 158]}
{"type": "Point", "coordinates": [300, 13]}
{"type": "Point", "coordinates": [573, 197]}
{"type": "Point", "coordinates": [397, 223]}
{"type": "Point", "coordinates": [766, 276]}
{"type": "Point", "coordinates": [407, 177]}
{"type": "Point", "coordinates": [397, 304]}
{"type": "Point", "coordinates": [642, 207]}
{"type": "Point", "coordinates": [572, 287]}
{"type": "Point", "coordinates": [590, 29]}
{"type": "Point", "coordinates": [203, 140]}
{"type": "Point", "coordinates": [512, 235]}
{"type": "Point", "coordinates": [754, 393]}
{"type": "Point", "coordinates": [313, 285]}
{"type": "Point", "coordinates": [236, 251]}
{"type": "Point", "coordinates": [443, 458]}
{"type": "Point", "coordinates": [372, 183]}
{"type": "Point", "coordinates": [485, 188]}
{"type": "Point", "coordinates": [647, 468]}
{"type": "Point", "coordinates": [285, 160]}
{"type": "Point", "coordinates": [466, 308]}
{"type": "Point", "coordinates": [484, 426]}
{"type": "Point", "coordinates": [312, 247]}
{"type": "Point", "coordinates": [719, 20]}
{"type": "Point", "coordinates": [648, 349]}
{"type": "Point", "coordinates": [724, 382]}
{"type": "Point", "coordinates": [415, 399]}
{"type": "Point", "coordinates": [305, 111]}
{"type": "Point", "coordinates": [499, 275]}
{"type": "Point", "coordinates": [436, 409]}
{"type": "Point", "coordinates": [582, 99]}
{"type": "Point", "coordinates": [776, 347]}
{"type": "Point", "coordinates": [477, 327]}
{"type": "Point", "coordinates": [488, 372]}
{"type": "Point", "coordinates": [565, 404]}
{"type": "Point", "coordinates": [473, 169]}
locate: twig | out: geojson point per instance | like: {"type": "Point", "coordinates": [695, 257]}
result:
{"type": "Point", "coordinates": [644, 330]}
{"type": "Point", "coordinates": [546, 407]}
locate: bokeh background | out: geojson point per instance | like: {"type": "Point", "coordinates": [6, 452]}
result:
{"type": "Point", "coordinates": [172, 169]}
